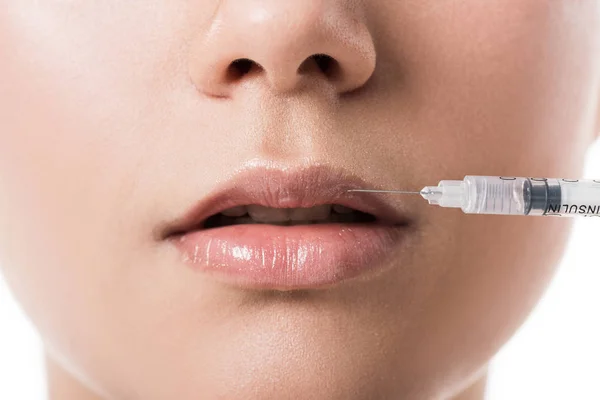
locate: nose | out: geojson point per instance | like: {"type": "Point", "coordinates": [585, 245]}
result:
{"type": "Point", "coordinates": [284, 44]}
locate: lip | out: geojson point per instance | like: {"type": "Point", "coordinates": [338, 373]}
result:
{"type": "Point", "coordinates": [289, 257]}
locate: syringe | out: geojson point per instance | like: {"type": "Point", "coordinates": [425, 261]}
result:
{"type": "Point", "coordinates": [514, 196]}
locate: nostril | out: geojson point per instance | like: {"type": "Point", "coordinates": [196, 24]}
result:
{"type": "Point", "coordinates": [327, 65]}
{"type": "Point", "coordinates": [241, 67]}
{"type": "Point", "coordinates": [324, 62]}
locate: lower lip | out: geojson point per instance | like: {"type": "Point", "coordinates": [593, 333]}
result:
{"type": "Point", "coordinates": [290, 257]}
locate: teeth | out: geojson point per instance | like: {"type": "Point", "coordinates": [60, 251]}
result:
{"type": "Point", "coordinates": [282, 215]}
{"type": "Point", "coordinates": [268, 214]}
{"type": "Point", "coordinates": [236, 212]}
{"type": "Point", "coordinates": [342, 210]}
{"type": "Point", "coordinates": [317, 213]}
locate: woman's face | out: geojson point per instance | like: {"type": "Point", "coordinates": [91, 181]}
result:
{"type": "Point", "coordinates": [119, 117]}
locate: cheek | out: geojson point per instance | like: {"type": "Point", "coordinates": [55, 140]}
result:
{"type": "Point", "coordinates": [81, 152]}
{"type": "Point", "coordinates": [496, 87]}
{"type": "Point", "coordinates": [65, 175]}
{"type": "Point", "coordinates": [72, 135]}
{"type": "Point", "coordinates": [489, 93]}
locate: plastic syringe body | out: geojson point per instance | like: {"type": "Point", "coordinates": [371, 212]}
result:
{"type": "Point", "coordinates": [518, 196]}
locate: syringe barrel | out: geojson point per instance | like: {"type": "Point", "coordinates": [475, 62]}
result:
{"type": "Point", "coordinates": [495, 195]}
{"type": "Point", "coordinates": [531, 196]}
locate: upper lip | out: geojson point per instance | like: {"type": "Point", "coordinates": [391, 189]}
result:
{"type": "Point", "coordinates": [282, 188]}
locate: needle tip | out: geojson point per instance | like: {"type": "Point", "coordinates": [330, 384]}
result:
{"type": "Point", "coordinates": [382, 191]}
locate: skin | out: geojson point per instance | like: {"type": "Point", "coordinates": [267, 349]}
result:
{"type": "Point", "coordinates": [116, 116]}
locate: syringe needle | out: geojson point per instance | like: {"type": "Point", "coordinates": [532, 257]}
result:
{"type": "Point", "coordinates": [382, 191]}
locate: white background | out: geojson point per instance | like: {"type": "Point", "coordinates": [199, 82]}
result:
{"type": "Point", "coordinates": [555, 355]}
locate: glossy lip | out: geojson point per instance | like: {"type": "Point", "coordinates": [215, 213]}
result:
{"type": "Point", "coordinates": [289, 257]}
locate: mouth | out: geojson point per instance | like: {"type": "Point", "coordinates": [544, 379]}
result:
{"type": "Point", "coordinates": [257, 214]}
{"type": "Point", "coordinates": [289, 230]}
